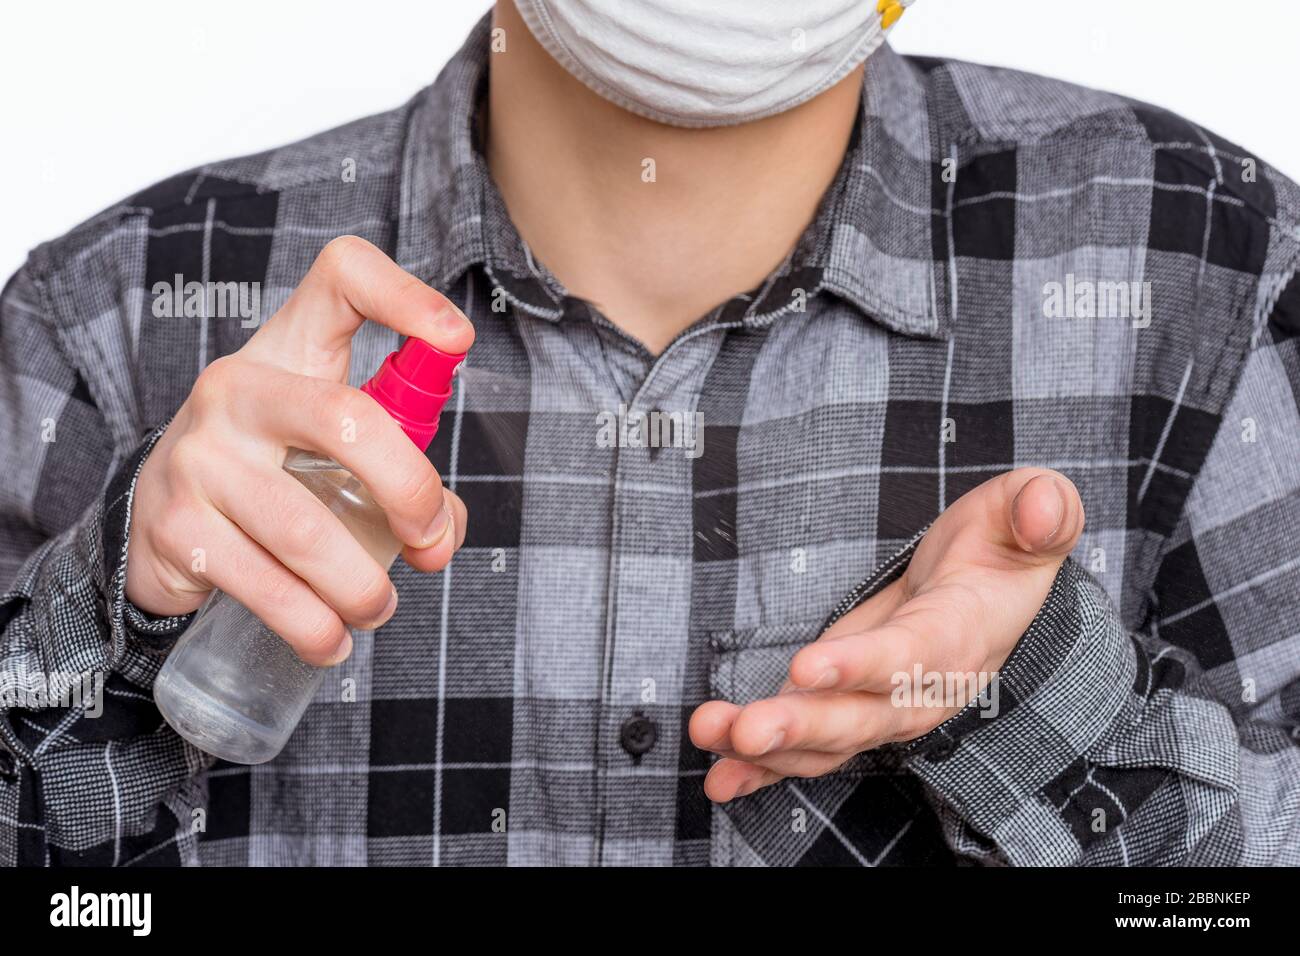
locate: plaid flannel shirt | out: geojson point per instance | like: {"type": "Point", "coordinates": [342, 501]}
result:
{"type": "Point", "coordinates": [528, 705]}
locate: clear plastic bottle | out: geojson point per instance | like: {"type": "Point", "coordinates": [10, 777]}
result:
{"type": "Point", "coordinates": [232, 686]}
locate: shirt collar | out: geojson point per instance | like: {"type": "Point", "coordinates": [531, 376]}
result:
{"type": "Point", "coordinates": [870, 244]}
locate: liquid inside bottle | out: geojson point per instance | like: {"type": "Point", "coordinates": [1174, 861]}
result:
{"type": "Point", "coordinates": [232, 686]}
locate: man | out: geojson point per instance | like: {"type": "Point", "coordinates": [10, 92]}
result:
{"type": "Point", "coordinates": [926, 315]}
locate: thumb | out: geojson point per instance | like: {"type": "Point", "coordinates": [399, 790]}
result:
{"type": "Point", "coordinates": [1044, 513]}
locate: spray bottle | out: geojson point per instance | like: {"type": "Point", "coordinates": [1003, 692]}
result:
{"type": "Point", "coordinates": [232, 686]}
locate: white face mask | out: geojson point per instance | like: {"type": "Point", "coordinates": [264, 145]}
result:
{"type": "Point", "coordinates": [710, 62]}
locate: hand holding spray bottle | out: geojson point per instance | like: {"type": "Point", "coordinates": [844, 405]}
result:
{"type": "Point", "coordinates": [232, 686]}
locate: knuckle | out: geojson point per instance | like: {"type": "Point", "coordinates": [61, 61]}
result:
{"type": "Point", "coordinates": [371, 598]}
{"type": "Point", "coordinates": [339, 251]}
{"type": "Point", "coordinates": [874, 728]}
{"type": "Point", "coordinates": [320, 632]}
{"type": "Point", "coordinates": [150, 572]}
{"type": "Point", "coordinates": [914, 722]}
{"type": "Point", "coordinates": [171, 578]}
{"type": "Point", "coordinates": [407, 285]}
{"type": "Point", "coordinates": [174, 587]}
{"type": "Point", "coordinates": [413, 290]}
{"type": "Point", "coordinates": [174, 537]}
{"type": "Point", "coordinates": [186, 456]}
{"type": "Point", "coordinates": [305, 531]}
{"type": "Point", "coordinates": [215, 384]}
{"type": "Point", "coordinates": [818, 768]}
{"type": "Point", "coordinates": [276, 589]}
{"type": "Point", "coordinates": [340, 405]}
{"type": "Point", "coordinates": [422, 489]}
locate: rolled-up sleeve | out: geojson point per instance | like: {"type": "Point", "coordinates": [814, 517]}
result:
{"type": "Point", "coordinates": [1178, 743]}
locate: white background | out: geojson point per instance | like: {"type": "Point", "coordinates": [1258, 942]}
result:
{"type": "Point", "coordinates": [98, 100]}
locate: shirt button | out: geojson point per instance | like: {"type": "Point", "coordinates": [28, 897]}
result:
{"type": "Point", "coordinates": [638, 734]}
{"type": "Point", "coordinates": [942, 749]}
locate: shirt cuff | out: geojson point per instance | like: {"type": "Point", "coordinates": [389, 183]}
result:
{"type": "Point", "coordinates": [154, 628]}
{"type": "Point", "coordinates": [140, 639]}
{"type": "Point", "coordinates": [1060, 692]}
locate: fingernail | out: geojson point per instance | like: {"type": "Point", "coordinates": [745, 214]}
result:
{"type": "Point", "coordinates": [828, 678]}
{"type": "Point", "coordinates": [451, 320]}
{"type": "Point", "coordinates": [437, 527]}
{"type": "Point", "coordinates": [1060, 510]}
{"type": "Point", "coordinates": [745, 789]}
{"type": "Point", "coordinates": [772, 744]}
{"type": "Point", "coordinates": [388, 611]}
{"type": "Point", "coordinates": [343, 652]}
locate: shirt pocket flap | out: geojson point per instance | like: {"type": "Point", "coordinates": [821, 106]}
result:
{"type": "Point", "coordinates": [752, 663]}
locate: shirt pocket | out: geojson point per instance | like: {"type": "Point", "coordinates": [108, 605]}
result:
{"type": "Point", "coordinates": [751, 663]}
{"type": "Point", "coordinates": [857, 814]}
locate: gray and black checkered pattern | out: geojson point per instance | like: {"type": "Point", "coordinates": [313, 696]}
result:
{"type": "Point", "coordinates": [529, 704]}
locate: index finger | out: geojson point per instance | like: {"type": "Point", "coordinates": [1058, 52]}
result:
{"type": "Point", "coordinates": [350, 427]}
{"type": "Point", "coordinates": [871, 660]}
{"type": "Point", "coordinates": [353, 280]}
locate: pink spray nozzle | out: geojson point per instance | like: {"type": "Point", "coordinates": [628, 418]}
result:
{"type": "Point", "coordinates": [413, 384]}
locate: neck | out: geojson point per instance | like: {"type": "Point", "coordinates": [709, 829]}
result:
{"type": "Point", "coordinates": [652, 224]}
